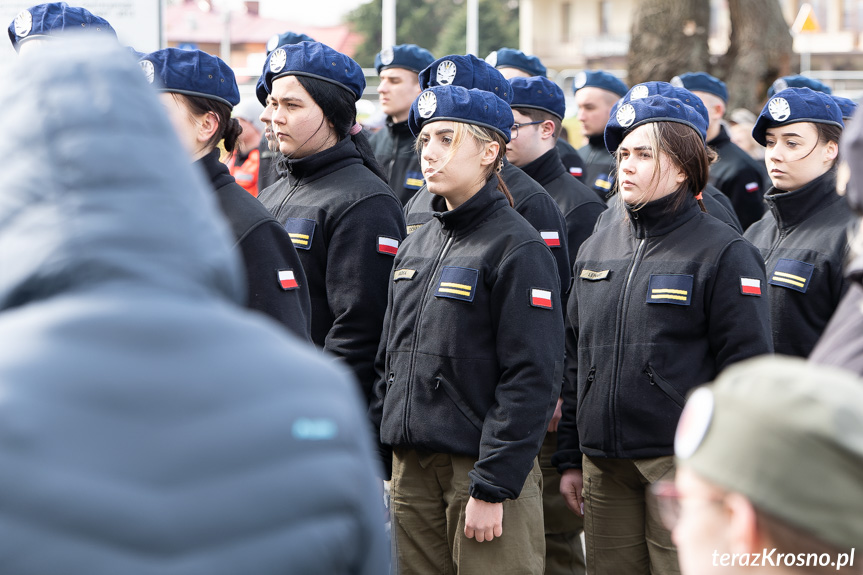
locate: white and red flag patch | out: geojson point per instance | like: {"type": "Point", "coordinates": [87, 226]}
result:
{"type": "Point", "coordinates": [752, 187]}
{"type": "Point", "coordinates": [552, 239]}
{"type": "Point", "coordinates": [388, 245]}
{"type": "Point", "coordinates": [287, 280]}
{"type": "Point", "coordinates": [540, 298]}
{"type": "Point", "coordinates": [750, 286]}
{"type": "Point", "coordinates": [576, 171]}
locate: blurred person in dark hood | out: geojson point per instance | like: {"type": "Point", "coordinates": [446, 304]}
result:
{"type": "Point", "coordinates": [149, 424]}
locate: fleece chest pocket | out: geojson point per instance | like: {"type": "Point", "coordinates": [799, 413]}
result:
{"type": "Point", "coordinates": [457, 283]}
{"type": "Point", "coordinates": [301, 232]}
{"type": "Point", "coordinates": [792, 274]}
{"type": "Point", "coordinates": [674, 289]}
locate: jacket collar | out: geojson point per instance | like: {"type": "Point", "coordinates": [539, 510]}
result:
{"type": "Point", "coordinates": [656, 218]}
{"type": "Point", "coordinates": [597, 141]}
{"type": "Point", "coordinates": [545, 168]}
{"type": "Point", "coordinates": [791, 208]}
{"type": "Point", "coordinates": [398, 128]}
{"type": "Point", "coordinates": [721, 138]}
{"type": "Point", "coordinates": [321, 164]}
{"type": "Point", "coordinates": [217, 172]}
{"type": "Point", "coordinates": [487, 200]}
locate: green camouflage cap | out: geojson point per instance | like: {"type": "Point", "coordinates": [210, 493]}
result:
{"type": "Point", "coordinates": [789, 436]}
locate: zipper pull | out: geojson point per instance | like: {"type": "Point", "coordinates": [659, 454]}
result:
{"type": "Point", "coordinates": [391, 379]}
{"type": "Point", "coordinates": [649, 373]}
{"type": "Point", "coordinates": [436, 382]}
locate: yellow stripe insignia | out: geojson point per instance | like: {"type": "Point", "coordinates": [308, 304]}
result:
{"type": "Point", "coordinates": [670, 288]}
{"type": "Point", "coordinates": [301, 231]}
{"type": "Point", "coordinates": [792, 274]}
{"type": "Point", "coordinates": [457, 283]}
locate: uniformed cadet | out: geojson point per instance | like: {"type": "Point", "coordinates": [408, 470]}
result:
{"type": "Point", "coordinates": [715, 202]}
{"type": "Point", "coordinates": [198, 91]}
{"type": "Point", "coordinates": [735, 173]}
{"type": "Point", "coordinates": [516, 64]}
{"type": "Point", "coordinates": [847, 106]}
{"type": "Point", "coordinates": [471, 357]}
{"type": "Point", "coordinates": [770, 472]}
{"type": "Point", "coordinates": [398, 68]}
{"type": "Point", "coordinates": [537, 107]}
{"type": "Point", "coordinates": [529, 198]}
{"type": "Point", "coordinates": [661, 302]}
{"type": "Point", "coordinates": [332, 199]}
{"type": "Point", "coordinates": [43, 21]}
{"type": "Point", "coordinates": [596, 91]}
{"type": "Point", "coordinates": [797, 81]}
{"type": "Point", "coordinates": [269, 148]}
{"type": "Point", "coordinates": [804, 236]}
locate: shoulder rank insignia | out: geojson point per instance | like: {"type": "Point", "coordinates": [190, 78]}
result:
{"type": "Point", "coordinates": [301, 231]}
{"type": "Point", "coordinates": [540, 298]}
{"type": "Point", "coordinates": [387, 245]}
{"type": "Point", "coordinates": [673, 289]}
{"type": "Point", "coordinates": [792, 274]}
{"type": "Point", "coordinates": [457, 283]}
{"type": "Point", "coordinates": [603, 182]}
{"type": "Point", "coordinates": [414, 180]}
{"type": "Point", "coordinates": [750, 286]}
{"type": "Point", "coordinates": [287, 280]}
{"type": "Point", "coordinates": [551, 238]}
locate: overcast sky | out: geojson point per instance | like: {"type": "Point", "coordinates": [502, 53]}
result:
{"type": "Point", "coordinates": [314, 12]}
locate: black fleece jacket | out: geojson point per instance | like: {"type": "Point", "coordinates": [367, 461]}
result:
{"type": "Point", "coordinates": [661, 303]}
{"type": "Point", "coordinates": [472, 354]}
{"type": "Point", "coordinates": [804, 242]}
{"type": "Point", "coordinates": [572, 161]}
{"type": "Point", "coordinates": [841, 344]}
{"type": "Point", "coordinates": [274, 275]}
{"type": "Point", "coordinates": [393, 146]}
{"type": "Point", "coordinates": [346, 225]}
{"type": "Point", "coordinates": [598, 166]}
{"type": "Point", "coordinates": [737, 176]}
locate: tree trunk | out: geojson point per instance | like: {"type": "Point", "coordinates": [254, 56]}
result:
{"type": "Point", "coordinates": [759, 52]}
{"type": "Point", "coordinates": [668, 37]}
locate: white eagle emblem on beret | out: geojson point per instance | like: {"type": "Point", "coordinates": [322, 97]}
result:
{"type": "Point", "coordinates": [387, 56]}
{"type": "Point", "coordinates": [639, 92]}
{"type": "Point", "coordinates": [446, 72]}
{"type": "Point", "coordinates": [277, 60]}
{"type": "Point", "coordinates": [677, 82]}
{"type": "Point", "coordinates": [779, 109]}
{"type": "Point", "coordinates": [780, 84]}
{"type": "Point", "coordinates": [625, 115]}
{"type": "Point", "coordinates": [23, 23]}
{"type": "Point", "coordinates": [580, 80]}
{"type": "Point", "coordinates": [148, 69]}
{"type": "Point", "coordinates": [491, 59]}
{"type": "Point", "coordinates": [427, 104]}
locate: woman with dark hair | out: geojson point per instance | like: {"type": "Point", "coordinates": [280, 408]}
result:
{"type": "Point", "coordinates": [199, 92]}
{"type": "Point", "coordinates": [662, 302]}
{"type": "Point", "coordinates": [471, 358]}
{"type": "Point", "coordinates": [804, 235]}
{"type": "Point", "coordinates": [332, 198]}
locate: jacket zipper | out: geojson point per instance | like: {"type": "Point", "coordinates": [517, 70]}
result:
{"type": "Point", "coordinates": [658, 380]}
{"type": "Point", "coordinates": [288, 195]}
{"type": "Point", "coordinates": [424, 301]}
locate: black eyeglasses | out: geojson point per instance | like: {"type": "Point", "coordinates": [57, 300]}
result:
{"type": "Point", "coordinates": [515, 128]}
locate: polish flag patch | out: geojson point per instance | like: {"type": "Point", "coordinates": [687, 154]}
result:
{"type": "Point", "coordinates": [576, 172]}
{"type": "Point", "coordinates": [552, 239]}
{"type": "Point", "coordinates": [540, 298]}
{"type": "Point", "coordinates": [287, 280]}
{"type": "Point", "coordinates": [752, 187]}
{"type": "Point", "coordinates": [750, 286]}
{"type": "Point", "coordinates": [387, 245]}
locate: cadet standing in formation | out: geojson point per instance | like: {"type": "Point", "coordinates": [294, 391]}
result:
{"type": "Point", "coordinates": [332, 199]}
{"type": "Point", "coordinates": [398, 68]}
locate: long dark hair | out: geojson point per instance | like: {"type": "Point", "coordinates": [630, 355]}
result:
{"type": "Point", "coordinates": [229, 128]}
{"type": "Point", "coordinates": [340, 109]}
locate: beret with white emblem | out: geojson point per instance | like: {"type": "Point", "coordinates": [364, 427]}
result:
{"type": "Point", "coordinates": [458, 104]}
{"type": "Point", "coordinates": [794, 105]}
{"type": "Point", "coordinates": [626, 116]}
{"type": "Point", "coordinates": [314, 60]}
{"type": "Point", "coordinates": [52, 18]}
{"type": "Point", "coordinates": [669, 90]}
{"type": "Point", "coordinates": [509, 58]}
{"type": "Point", "coordinates": [467, 72]}
{"type": "Point", "coordinates": [408, 56]}
{"type": "Point", "coordinates": [193, 73]}
{"type": "Point", "coordinates": [599, 79]}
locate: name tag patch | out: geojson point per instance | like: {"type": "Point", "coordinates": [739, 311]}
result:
{"type": "Point", "coordinates": [792, 274]}
{"type": "Point", "coordinates": [673, 289]}
{"type": "Point", "coordinates": [301, 232]}
{"type": "Point", "coordinates": [413, 227]}
{"type": "Point", "coordinates": [404, 274]}
{"type": "Point", "coordinates": [414, 180]}
{"type": "Point", "coordinates": [287, 280]}
{"type": "Point", "coordinates": [457, 283]}
{"type": "Point", "coordinates": [593, 276]}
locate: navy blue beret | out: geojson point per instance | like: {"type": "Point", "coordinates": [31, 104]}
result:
{"type": "Point", "coordinates": [314, 60]}
{"type": "Point", "coordinates": [599, 79]}
{"type": "Point", "coordinates": [459, 104]}
{"type": "Point", "coordinates": [626, 116]}
{"type": "Point", "coordinates": [193, 73]}
{"type": "Point", "coordinates": [797, 81]}
{"type": "Point", "coordinates": [668, 90]}
{"type": "Point", "coordinates": [277, 40]}
{"type": "Point", "coordinates": [509, 58]}
{"type": "Point", "coordinates": [467, 72]}
{"type": "Point", "coordinates": [539, 93]}
{"type": "Point", "coordinates": [846, 105]}
{"type": "Point", "coordinates": [407, 56]}
{"type": "Point", "coordinates": [47, 19]}
{"type": "Point", "coordinates": [793, 105]}
{"type": "Point", "coordinates": [702, 82]}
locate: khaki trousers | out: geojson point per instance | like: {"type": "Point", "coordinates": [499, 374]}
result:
{"type": "Point", "coordinates": [428, 495]}
{"type": "Point", "coordinates": [623, 534]}
{"type": "Point", "coordinates": [563, 552]}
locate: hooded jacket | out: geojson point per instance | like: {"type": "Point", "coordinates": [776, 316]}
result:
{"type": "Point", "coordinates": [150, 425]}
{"type": "Point", "coordinates": [804, 242]}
